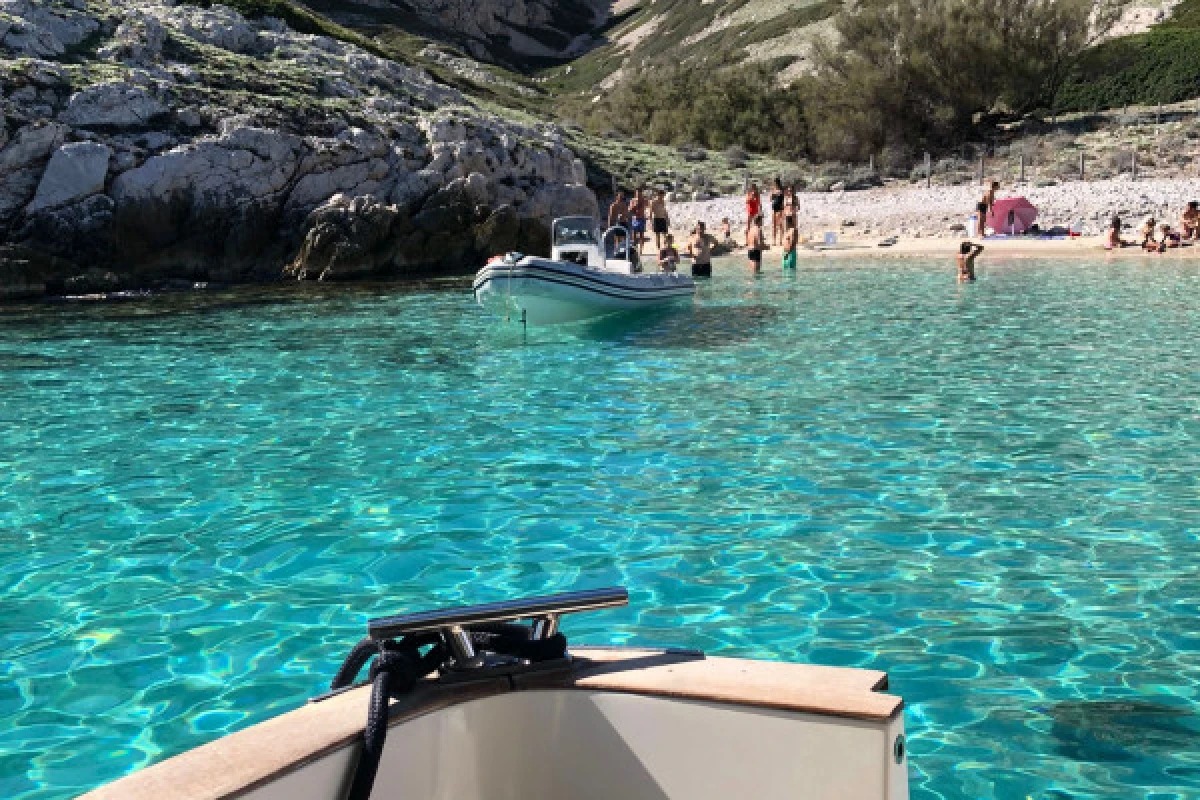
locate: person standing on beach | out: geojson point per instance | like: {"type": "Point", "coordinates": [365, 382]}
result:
{"type": "Point", "coordinates": [776, 212]}
{"type": "Point", "coordinates": [659, 218]}
{"type": "Point", "coordinates": [700, 250]}
{"type": "Point", "coordinates": [967, 253]}
{"type": "Point", "coordinates": [984, 207]}
{"type": "Point", "coordinates": [637, 220]}
{"type": "Point", "coordinates": [618, 212]}
{"type": "Point", "coordinates": [755, 244]}
{"type": "Point", "coordinates": [753, 209]}
{"type": "Point", "coordinates": [789, 243]}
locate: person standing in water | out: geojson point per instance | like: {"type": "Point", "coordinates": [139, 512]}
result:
{"type": "Point", "coordinates": [967, 253]}
{"type": "Point", "coordinates": [618, 212]}
{"type": "Point", "coordinates": [789, 243]}
{"type": "Point", "coordinates": [701, 252]}
{"type": "Point", "coordinates": [791, 207]}
{"type": "Point", "coordinates": [777, 202]}
{"type": "Point", "coordinates": [753, 209]}
{"type": "Point", "coordinates": [668, 256]}
{"type": "Point", "coordinates": [659, 218]}
{"type": "Point", "coordinates": [984, 207]}
{"type": "Point", "coordinates": [755, 244]}
{"type": "Point", "coordinates": [637, 220]}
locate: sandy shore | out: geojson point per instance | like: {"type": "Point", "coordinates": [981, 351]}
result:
{"type": "Point", "coordinates": [940, 212]}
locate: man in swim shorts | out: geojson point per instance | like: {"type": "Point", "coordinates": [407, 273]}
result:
{"type": "Point", "coordinates": [659, 218]}
{"type": "Point", "coordinates": [755, 244]}
{"type": "Point", "coordinates": [984, 207]}
{"type": "Point", "coordinates": [618, 212]}
{"type": "Point", "coordinates": [637, 219]}
{"type": "Point", "coordinates": [701, 252]}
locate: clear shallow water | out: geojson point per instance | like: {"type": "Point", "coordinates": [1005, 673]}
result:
{"type": "Point", "coordinates": [989, 491]}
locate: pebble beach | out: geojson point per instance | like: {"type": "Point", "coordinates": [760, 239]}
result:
{"type": "Point", "coordinates": [909, 212]}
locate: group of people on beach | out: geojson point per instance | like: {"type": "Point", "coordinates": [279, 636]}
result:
{"type": "Point", "coordinates": [642, 208]}
{"type": "Point", "coordinates": [1155, 237]}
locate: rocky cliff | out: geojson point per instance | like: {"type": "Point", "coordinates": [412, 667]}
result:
{"type": "Point", "coordinates": [150, 142]}
{"type": "Point", "coordinates": [515, 33]}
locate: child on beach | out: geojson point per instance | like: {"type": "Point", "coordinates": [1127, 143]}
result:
{"type": "Point", "coordinates": [726, 232]}
{"type": "Point", "coordinates": [967, 253]}
{"type": "Point", "coordinates": [668, 256]}
{"type": "Point", "coordinates": [755, 244]}
{"type": "Point", "coordinates": [789, 243]}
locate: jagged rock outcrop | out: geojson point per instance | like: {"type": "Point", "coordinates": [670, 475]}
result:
{"type": "Point", "coordinates": [218, 148]}
{"type": "Point", "coordinates": [75, 171]}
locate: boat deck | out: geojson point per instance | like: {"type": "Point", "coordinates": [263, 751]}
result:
{"type": "Point", "coordinates": [228, 767]}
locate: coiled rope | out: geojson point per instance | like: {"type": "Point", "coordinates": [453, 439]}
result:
{"type": "Point", "coordinates": [398, 665]}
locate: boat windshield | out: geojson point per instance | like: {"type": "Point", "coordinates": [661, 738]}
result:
{"type": "Point", "coordinates": [574, 230]}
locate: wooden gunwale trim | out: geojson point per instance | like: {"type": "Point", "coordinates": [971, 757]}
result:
{"type": "Point", "coordinates": [241, 762]}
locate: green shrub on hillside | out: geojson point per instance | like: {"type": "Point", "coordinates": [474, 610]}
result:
{"type": "Point", "coordinates": [1161, 65]}
{"type": "Point", "coordinates": [715, 110]}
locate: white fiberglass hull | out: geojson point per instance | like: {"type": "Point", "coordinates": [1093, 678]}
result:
{"type": "Point", "coordinates": [545, 292]}
{"type": "Point", "coordinates": [630, 724]}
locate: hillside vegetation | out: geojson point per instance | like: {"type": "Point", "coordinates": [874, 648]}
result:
{"type": "Point", "coordinates": [1161, 65]}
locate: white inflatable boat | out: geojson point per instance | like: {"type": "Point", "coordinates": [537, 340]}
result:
{"type": "Point", "coordinates": [587, 275]}
{"type": "Point", "coordinates": [466, 704]}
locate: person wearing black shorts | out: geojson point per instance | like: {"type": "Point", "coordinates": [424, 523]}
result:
{"type": "Point", "coordinates": [658, 213]}
{"type": "Point", "coordinates": [755, 245]}
{"type": "Point", "coordinates": [700, 250]}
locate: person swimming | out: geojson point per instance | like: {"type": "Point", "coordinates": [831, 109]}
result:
{"type": "Point", "coordinates": [668, 256]}
{"type": "Point", "coordinates": [967, 253]}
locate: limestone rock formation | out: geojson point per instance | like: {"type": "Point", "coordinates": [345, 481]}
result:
{"type": "Point", "coordinates": [76, 170]}
{"type": "Point", "coordinates": [200, 145]}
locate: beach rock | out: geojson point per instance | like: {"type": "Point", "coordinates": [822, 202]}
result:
{"type": "Point", "coordinates": [75, 171]}
{"type": "Point", "coordinates": [118, 104]}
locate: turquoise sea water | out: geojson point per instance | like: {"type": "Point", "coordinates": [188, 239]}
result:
{"type": "Point", "coordinates": [989, 491]}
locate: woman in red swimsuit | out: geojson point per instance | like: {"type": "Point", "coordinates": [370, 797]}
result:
{"type": "Point", "coordinates": [753, 208]}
